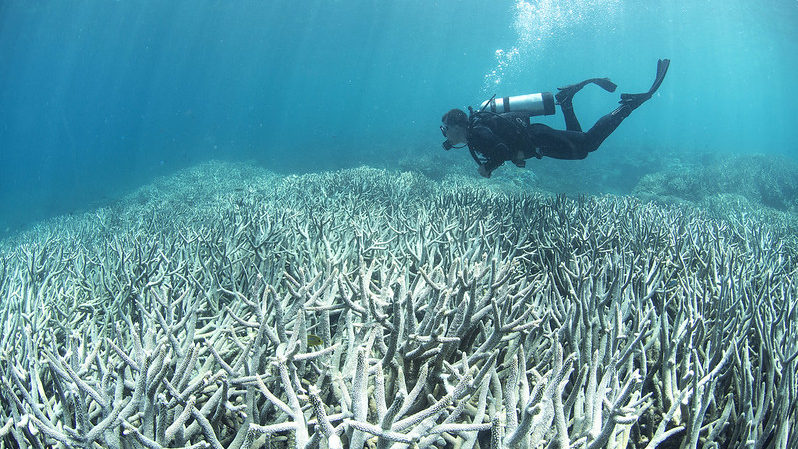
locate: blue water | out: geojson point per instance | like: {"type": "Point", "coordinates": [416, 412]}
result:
{"type": "Point", "coordinates": [98, 97]}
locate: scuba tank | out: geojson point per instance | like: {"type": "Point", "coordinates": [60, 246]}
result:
{"type": "Point", "coordinates": [531, 104]}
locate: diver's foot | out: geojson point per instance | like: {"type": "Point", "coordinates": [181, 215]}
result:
{"type": "Point", "coordinates": [566, 94]}
{"type": "Point", "coordinates": [635, 100]}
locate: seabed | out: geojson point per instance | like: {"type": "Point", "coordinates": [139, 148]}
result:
{"type": "Point", "coordinates": [230, 307]}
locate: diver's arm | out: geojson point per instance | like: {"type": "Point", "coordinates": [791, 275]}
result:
{"type": "Point", "coordinates": [496, 147]}
{"type": "Point", "coordinates": [493, 150]}
{"type": "Point", "coordinates": [501, 153]}
{"type": "Point", "coordinates": [487, 168]}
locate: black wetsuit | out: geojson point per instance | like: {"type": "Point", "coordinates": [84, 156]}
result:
{"type": "Point", "coordinates": [496, 138]}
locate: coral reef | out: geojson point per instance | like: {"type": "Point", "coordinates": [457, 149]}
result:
{"type": "Point", "coordinates": [770, 181]}
{"type": "Point", "coordinates": [367, 308]}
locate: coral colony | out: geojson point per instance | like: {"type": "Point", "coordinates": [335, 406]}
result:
{"type": "Point", "coordinates": [366, 308]}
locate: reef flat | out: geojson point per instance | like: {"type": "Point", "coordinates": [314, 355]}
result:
{"type": "Point", "coordinates": [229, 307]}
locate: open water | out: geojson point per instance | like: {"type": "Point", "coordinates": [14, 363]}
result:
{"type": "Point", "coordinates": [99, 97]}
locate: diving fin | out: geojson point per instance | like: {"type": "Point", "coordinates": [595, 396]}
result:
{"type": "Point", "coordinates": [636, 100]}
{"type": "Point", "coordinates": [566, 93]}
{"type": "Point", "coordinates": [605, 84]}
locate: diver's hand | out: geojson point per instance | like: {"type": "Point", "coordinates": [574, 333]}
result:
{"type": "Point", "coordinates": [483, 171]}
{"type": "Point", "coordinates": [519, 159]}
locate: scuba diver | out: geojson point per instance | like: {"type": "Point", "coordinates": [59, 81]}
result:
{"type": "Point", "coordinates": [501, 130]}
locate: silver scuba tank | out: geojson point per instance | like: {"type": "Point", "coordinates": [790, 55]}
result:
{"type": "Point", "coordinates": [532, 104]}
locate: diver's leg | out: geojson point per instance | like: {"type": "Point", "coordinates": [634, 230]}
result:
{"type": "Point", "coordinates": [571, 123]}
{"type": "Point", "coordinates": [566, 94]}
{"type": "Point", "coordinates": [556, 143]}
{"type": "Point", "coordinates": [565, 153]}
{"type": "Point", "coordinates": [629, 102]}
{"type": "Point", "coordinates": [605, 126]}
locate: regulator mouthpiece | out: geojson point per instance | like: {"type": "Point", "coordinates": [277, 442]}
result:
{"type": "Point", "coordinates": [532, 104]}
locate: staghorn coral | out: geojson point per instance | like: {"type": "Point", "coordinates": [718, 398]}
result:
{"type": "Point", "coordinates": [449, 315]}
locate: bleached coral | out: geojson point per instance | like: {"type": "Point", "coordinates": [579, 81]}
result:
{"type": "Point", "coordinates": [364, 307]}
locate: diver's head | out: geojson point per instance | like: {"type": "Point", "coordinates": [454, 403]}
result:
{"type": "Point", "coordinates": [455, 123]}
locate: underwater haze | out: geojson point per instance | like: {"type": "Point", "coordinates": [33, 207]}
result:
{"type": "Point", "coordinates": [99, 97]}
